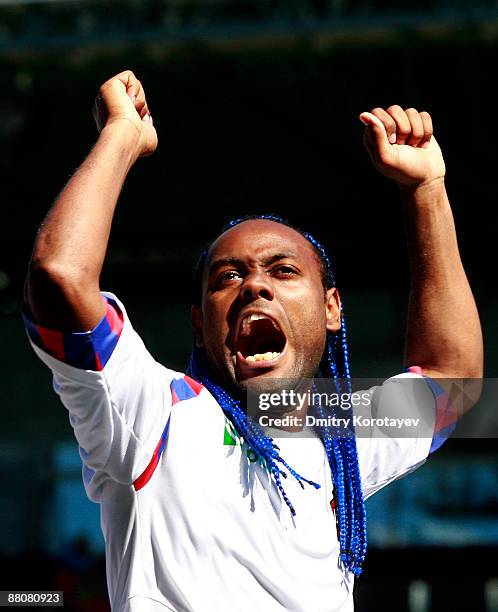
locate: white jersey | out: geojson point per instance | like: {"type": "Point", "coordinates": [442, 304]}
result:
{"type": "Point", "coordinates": [191, 519]}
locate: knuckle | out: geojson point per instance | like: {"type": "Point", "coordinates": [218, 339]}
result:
{"type": "Point", "coordinates": [426, 118]}
{"type": "Point", "coordinates": [385, 117]}
{"type": "Point", "coordinates": [411, 111]}
{"type": "Point", "coordinates": [394, 108]}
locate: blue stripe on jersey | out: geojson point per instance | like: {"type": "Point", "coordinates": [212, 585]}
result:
{"type": "Point", "coordinates": [443, 411]}
{"type": "Point", "coordinates": [182, 389]}
{"type": "Point", "coordinates": [84, 350]}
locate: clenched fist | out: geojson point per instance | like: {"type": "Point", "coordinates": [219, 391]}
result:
{"type": "Point", "coordinates": [402, 146]}
{"type": "Point", "coordinates": [121, 101]}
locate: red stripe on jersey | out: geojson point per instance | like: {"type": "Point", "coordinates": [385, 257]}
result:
{"type": "Point", "coordinates": [446, 413]}
{"type": "Point", "coordinates": [181, 389]}
{"type": "Point", "coordinates": [114, 319]}
{"type": "Point", "coordinates": [416, 370]}
{"type": "Point", "coordinates": [52, 342]}
{"type": "Point", "coordinates": [146, 475]}
{"type": "Point", "coordinates": [193, 384]}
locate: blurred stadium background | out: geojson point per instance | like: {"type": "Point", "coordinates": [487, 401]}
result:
{"type": "Point", "coordinates": [256, 105]}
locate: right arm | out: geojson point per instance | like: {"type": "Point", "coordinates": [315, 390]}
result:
{"type": "Point", "coordinates": [62, 285]}
{"type": "Point", "coordinates": [118, 397]}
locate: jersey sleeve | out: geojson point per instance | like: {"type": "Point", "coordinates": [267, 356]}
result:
{"type": "Point", "coordinates": [408, 417]}
{"type": "Point", "coordinates": [118, 397]}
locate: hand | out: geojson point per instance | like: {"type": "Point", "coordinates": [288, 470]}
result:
{"type": "Point", "coordinates": [121, 100]}
{"type": "Point", "coordinates": [402, 147]}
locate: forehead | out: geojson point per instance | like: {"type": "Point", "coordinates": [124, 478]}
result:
{"type": "Point", "coordinates": [256, 239]}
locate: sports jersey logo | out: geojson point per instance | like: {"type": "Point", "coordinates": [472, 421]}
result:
{"type": "Point", "coordinates": [232, 438]}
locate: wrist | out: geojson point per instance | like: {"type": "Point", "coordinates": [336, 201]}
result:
{"type": "Point", "coordinates": [426, 192]}
{"type": "Point", "coordinates": [124, 135]}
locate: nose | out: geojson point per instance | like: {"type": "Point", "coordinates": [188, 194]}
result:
{"type": "Point", "coordinates": [256, 285]}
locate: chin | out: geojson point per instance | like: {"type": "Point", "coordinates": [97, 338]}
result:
{"type": "Point", "coordinates": [274, 380]}
{"type": "Point", "coordinates": [261, 384]}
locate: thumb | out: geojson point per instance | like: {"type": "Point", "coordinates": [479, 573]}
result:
{"type": "Point", "coordinates": [377, 132]}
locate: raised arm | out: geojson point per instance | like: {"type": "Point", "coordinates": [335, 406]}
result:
{"type": "Point", "coordinates": [62, 285]}
{"type": "Point", "coordinates": [444, 334]}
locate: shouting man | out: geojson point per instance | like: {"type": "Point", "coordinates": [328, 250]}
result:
{"type": "Point", "coordinates": [201, 509]}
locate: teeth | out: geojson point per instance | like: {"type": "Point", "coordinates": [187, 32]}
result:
{"type": "Point", "coordinates": [246, 323]}
{"type": "Point", "coordinates": [263, 356]}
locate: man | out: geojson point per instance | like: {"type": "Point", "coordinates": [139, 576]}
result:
{"type": "Point", "coordinates": [201, 509]}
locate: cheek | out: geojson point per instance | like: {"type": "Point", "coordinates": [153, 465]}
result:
{"type": "Point", "coordinates": [307, 318]}
{"type": "Point", "coordinates": [215, 327]}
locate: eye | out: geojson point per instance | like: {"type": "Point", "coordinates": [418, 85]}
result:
{"type": "Point", "coordinates": [284, 271]}
{"type": "Point", "coordinates": [226, 276]}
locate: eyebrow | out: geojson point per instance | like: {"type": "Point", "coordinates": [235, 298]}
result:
{"type": "Point", "coordinates": [235, 261]}
{"type": "Point", "coordinates": [224, 261]}
{"type": "Point", "coordinates": [279, 256]}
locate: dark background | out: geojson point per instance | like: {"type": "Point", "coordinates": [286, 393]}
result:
{"type": "Point", "coordinates": [256, 106]}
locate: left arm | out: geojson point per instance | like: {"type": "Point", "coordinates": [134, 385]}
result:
{"type": "Point", "coordinates": [444, 333]}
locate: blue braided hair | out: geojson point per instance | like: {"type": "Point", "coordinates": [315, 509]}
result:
{"type": "Point", "coordinates": [340, 447]}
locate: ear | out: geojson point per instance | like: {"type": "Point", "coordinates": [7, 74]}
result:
{"type": "Point", "coordinates": [333, 309]}
{"type": "Point", "coordinates": [197, 321]}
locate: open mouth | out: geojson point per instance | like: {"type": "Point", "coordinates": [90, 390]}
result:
{"type": "Point", "coordinates": [260, 339]}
